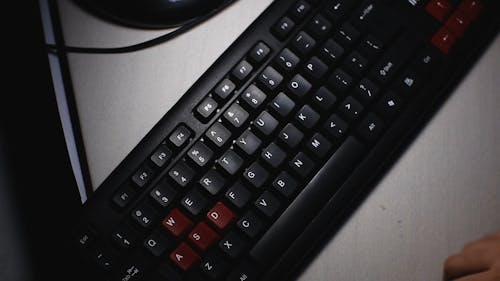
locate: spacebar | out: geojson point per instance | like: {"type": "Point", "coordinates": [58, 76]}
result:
{"type": "Point", "coordinates": [313, 197]}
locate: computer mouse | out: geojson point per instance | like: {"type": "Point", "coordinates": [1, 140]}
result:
{"type": "Point", "coordinates": [152, 13]}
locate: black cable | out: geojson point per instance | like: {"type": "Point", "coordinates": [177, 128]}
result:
{"type": "Point", "coordinates": [54, 48]}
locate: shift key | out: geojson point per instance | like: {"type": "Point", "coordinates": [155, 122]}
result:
{"type": "Point", "coordinates": [394, 59]}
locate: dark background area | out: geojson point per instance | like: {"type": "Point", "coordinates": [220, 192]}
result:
{"type": "Point", "coordinates": [38, 195]}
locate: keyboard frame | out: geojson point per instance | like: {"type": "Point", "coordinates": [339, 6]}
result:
{"type": "Point", "coordinates": [354, 190]}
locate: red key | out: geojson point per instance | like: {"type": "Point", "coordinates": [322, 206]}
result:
{"type": "Point", "coordinates": [184, 257]}
{"type": "Point", "coordinates": [439, 9]}
{"type": "Point", "coordinates": [177, 223]}
{"type": "Point", "coordinates": [443, 40]}
{"type": "Point", "coordinates": [220, 215]}
{"type": "Point", "coordinates": [203, 236]}
{"type": "Point", "coordinates": [471, 9]}
{"type": "Point", "coordinates": [457, 23]}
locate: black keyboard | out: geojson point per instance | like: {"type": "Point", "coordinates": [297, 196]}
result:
{"type": "Point", "coordinates": [273, 147]}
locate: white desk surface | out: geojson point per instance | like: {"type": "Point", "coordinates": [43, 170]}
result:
{"type": "Point", "coordinates": [443, 192]}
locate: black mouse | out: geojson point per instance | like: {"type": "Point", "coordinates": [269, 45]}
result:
{"type": "Point", "coordinates": [152, 13]}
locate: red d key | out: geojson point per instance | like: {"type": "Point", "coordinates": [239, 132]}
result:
{"type": "Point", "coordinates": [220, 215]}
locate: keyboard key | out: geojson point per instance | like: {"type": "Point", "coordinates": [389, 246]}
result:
{"type": "Point", "coordinates": [444, 40]}
{"type": "Point", "coordinates": [242, 70]}
{"type": "Point", "coordinates": [163, 194]}
{"type": "Point", "coordinates": [355, 63]}
{"type": "Point", "coordinates": [471, 8]}
{"type": "Point", "coordinates": [238, 195]}
{"type": "Point", "coordinates": [365, 16]}
{"type": "Point", "coordinates": [250, 224]}
{"type": "Point", "coordinates": [161, 156]}
{"type": "Point", "coordinates": [366, 91]}
{"type": "Point", "coordinates": [319, 146]}
{"type": "Point", "coordinates": [303, 43]}
{"type": "Point", "coordinates": [337, 9]}
{"type": "Point", "coordinates": [158, 243]}
{"type": "Point", "coordinates": [104, 257]}
{"type": "Point", "coordinates": [253, 97]}
{"type": "Point", "coordinates": [124, 196]}
{"type": "Point", "coordinates": [340, 81]}
{"type": "Point", "coordinates": [243, 272]}
{"type": "Point", "coordinates": [182, 174]}
{"type": "Point", "coordinates": [351, 108]}
{"type": "Point", "coordinates": [427, 60]}
{"type": "Point", "coordinates": [206, 109]}
{"type": "Point", "coordinates": [408, 82]}
{"type": "Point", "coordinates": [214, 266]}
{"type": "Point", "coordinates": [200, 154]}
{"type": "Point", "coordinates": [302, 165]}
{"type": "Point", "coordinates": [259, 52]}
{"type": "Point", "coordinates": [203, 236]}
{"type": "Point", "coordinates": [236, 115]}
{"type": "Point", "coordinates": [299, 86]}
{"type": "Point", "coordinates": [457, 23]}
{"type": "Point", "coordinates": [389, 105]}
{"type": "Point", "coordinates": [287, 60]}
{"type": "Point", "coordinates": [371, 47]}
{"type": "Point", "coordinates": [291, 136]}
{"type": "Point", "coordinates": [335, 127]}
{"type": "Point", "coordinates": [144, 215]}
{"type": "Point", "coordinates": [282, 104]}
{"type": "Point", "coordinates": [184, 256]}
{"type": "Point", "coordinates": [177, 223]}
{"type": "Point", "coordinates": [265, 123]}
{"type": "Point", "coordinates": [323, 99]}
{"type": "Point", "coordinates": [224, 89]}
{"type": "Point", "coordinates": [124, 237]}
{"type": "Point", "coordinates": [194, 202]}
{"type": "Point", "coordinates": [248, 142]}
{"type": "Point", "coordinates": [307, 117]}
{"type": "Point", "coordinates": [84, 236]}
{"type": "Point", "coordinates": [299, 10]}
{"type": "Point", "coordinates": [180, 136]}
{"type": "Point", "coordinates": [319, 26]}
{"type": "Point", "coordinates": [220, 216]}
{"type": "Point", "coordinates": [213, 182]}
{"type": "Point", "coordinates": [370, 128]}
{"type": "Point", "coordinates": [315, 68]}
{"type": "Point", "coordinates": [218, 134]}
{"type": "Point", "coordinates": [255, 174]}
{"type": "Point", "coordinates": [331, 51]}
{"type": "Point", "coordinates": [267, 204]}
{"type": "Point", "coordinates": [439, 9]}
{"type": "Point", "coordinates": [283, 28]}
{"type": "Point", "coordinates": [285, 184]}
{"type": "Point", "coordinates": [233, 244]}
{"type": "Point", "coordinates": [270, 78]}
{"type": "Point", "coordinates": [143, 175]}
{"type": "Point", "coordinates": [230, 162]}
{"type": "Point", "coordinates": [394, 58]}
{"type": "Point", "coordinates": [346, 35]}
{"type": "Point", "coordinates": [273, 155]}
